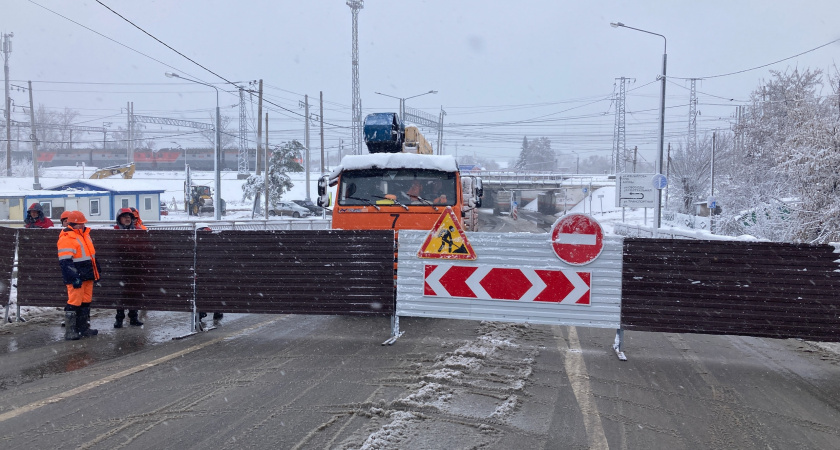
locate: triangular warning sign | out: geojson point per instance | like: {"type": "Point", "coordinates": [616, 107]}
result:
{"type": "Point", "coordinates": [447, 239]}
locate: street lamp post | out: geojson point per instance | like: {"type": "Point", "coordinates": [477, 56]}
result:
{"type": "Point", "coordinates": [659, 162]}
{"type": "Point", "coordinates": [217, 199]}
{"type": "Point", "coordinates": [403, 99]}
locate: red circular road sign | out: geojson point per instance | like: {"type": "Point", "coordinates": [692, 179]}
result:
{"type": "Point", "coordinates": [577, 239]}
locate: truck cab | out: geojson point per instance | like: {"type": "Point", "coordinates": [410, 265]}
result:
{"type": "Point", "coordinates": [392, 191]}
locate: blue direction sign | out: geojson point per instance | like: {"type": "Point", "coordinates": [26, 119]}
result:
{"type": "Point", "coordinates": [660, 181]}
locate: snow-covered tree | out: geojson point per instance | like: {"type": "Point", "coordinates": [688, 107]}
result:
{"type": "Point", "coordinates": [787, 186]}
{"type": "Point", "coordinates": [690, 172]}
{"type": "Point", "coordinates": [536, 155]}
{"type": "Point", "coordinates": [285, 158]}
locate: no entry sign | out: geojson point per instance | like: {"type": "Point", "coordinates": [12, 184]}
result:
{"type": "Point", "coordinates": [577, 239]}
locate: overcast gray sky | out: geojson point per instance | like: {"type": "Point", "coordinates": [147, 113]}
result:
{"type": "Point", "coordinates": [503, 70]}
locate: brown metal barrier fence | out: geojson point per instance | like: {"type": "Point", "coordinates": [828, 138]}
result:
{"type": "Point", "coordinates": [347, 272]}
{"type": "Point", "coordinates": [140, 270]}
{"type": "Point", "coordinates": [303, 272]}
{"type": "Point", "coordinates": [763, 289]}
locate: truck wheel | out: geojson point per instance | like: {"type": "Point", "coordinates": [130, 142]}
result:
{"type": "Point", "coordinates": [271, 212]}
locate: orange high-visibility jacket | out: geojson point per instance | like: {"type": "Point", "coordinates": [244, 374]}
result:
{"type": "Point", "coordinates": [76, 255]}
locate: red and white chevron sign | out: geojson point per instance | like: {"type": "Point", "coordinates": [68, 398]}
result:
{"type": "Point", "coordinates": [505, 283]}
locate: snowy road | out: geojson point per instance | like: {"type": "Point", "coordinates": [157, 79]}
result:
{"type": "Point", "coordinates": [265, 381]}
{"type": "Point", "coordinates": [325, 382]}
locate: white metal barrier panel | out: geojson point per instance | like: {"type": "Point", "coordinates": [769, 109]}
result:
{"type": "Point", "coordinates": [516, 277]}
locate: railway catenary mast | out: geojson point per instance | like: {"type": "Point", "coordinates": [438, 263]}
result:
{"type": "Point", "coordinates": [355, 6]}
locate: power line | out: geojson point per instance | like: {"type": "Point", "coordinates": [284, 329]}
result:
{"type": "Point", "coordinates": [106, 37]}
{"type": "Point", "coordinates": [164, 43]}
{"type": "Point", "coordinates": [761, 66]}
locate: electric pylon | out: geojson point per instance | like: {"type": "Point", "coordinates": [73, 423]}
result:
{"type": "Point", "coordinates": [620, 140]}
{"type": "Point", "coordinates": [355, 6]}
{"type": "Point", "coordinates": [692, 119]}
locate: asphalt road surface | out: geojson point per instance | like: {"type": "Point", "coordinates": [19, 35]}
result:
{"type": "Point", "coordinates": [282, 381]}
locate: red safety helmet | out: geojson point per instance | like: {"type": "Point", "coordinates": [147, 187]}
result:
{"type": "Point", "coordinates": [76, 217]}
{"type": "Point", "coordinates": [125, 211]}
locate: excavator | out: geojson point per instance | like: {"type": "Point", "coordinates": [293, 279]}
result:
{"type": "Point", "coordinates": [126, 170]}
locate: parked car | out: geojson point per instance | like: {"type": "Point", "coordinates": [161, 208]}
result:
{"type": "Point", "coordinates": [289, 209]}
{"type": "Point", "coordinates": [311, 206]}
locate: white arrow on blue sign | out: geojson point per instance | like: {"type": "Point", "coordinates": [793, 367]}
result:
{"type": "Point", "coordinates": [660, 181]}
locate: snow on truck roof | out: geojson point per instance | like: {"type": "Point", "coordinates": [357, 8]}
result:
{"type": "Point", "coordinates": [444, 163]}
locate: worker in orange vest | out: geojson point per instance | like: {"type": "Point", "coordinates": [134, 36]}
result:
{"type": "Point", "coordinates": [80, 270]}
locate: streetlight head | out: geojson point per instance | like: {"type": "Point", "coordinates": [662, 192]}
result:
{"type": "Point", "coordinates": [616, 24]}
{"type": "Point", "coordinates": [172, 75]}
{"type": "Point", "coordinates": [433, 92]}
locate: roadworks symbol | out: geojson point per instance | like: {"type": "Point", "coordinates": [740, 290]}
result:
{"type": "Point", "coordinates": [447, 239]}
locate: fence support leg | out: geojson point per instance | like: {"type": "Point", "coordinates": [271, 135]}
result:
{"type": "Point", "coordinates": [618, 345]}
{"type": "Point", "coordinates": [395, 330]}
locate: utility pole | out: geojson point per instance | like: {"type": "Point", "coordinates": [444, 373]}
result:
{"type": "Point", "coordinates": [259, 128]}
{"type": "Point", "coordinates": [306, 141]}
{"type": "Point", "coordinates": [34, 138]}
{"type": "Point", "coordinates": [714, 202]}
{"type": "Point", "coordinates": [7, 49]}
{"type": "Point", "coordinates": [128, 150]}
{"type": "Point", "coordinates": [356, 119]}
{"type": "Point", "coordinates": [265, 183]}
{"type": "Point", "coordinates": [440, 131]}
{"type": "Point", "coordinates": [322, 132]}
{"type": "Point", "coordinates": [635, 155]}
{"type": "Point", "coordinates": [668, 175]}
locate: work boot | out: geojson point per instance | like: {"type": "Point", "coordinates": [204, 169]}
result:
{"type": "Point", "coordinates": [218, 316]}
{"type": "Point", "coordinates": [132, 316]}
{"type": "Point", "coordinates": [120, 316]}
{"type": "Point", "coordinates": [82, 325]}
{"type": "Point", "coordinates": [70, 333]}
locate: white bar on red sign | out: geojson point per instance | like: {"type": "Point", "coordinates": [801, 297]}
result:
{"type": "Point", "coordinates": [577, 239]}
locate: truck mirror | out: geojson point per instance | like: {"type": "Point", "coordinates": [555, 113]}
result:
{"type": "Point", "coordinates": [322, 185]}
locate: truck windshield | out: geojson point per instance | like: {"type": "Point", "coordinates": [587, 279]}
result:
{"type": "Point", "coordinates": [409, 186]}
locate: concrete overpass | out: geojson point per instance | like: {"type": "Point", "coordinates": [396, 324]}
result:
{"type": "Point", "coordinates": [555, 191]}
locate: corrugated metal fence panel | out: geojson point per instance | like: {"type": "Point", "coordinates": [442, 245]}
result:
{"type": "Point", "coordinates": [158, 275]}
{"type": "Point", "coordinates": [512, 250]}
{"type": "Point", "coordinates": [762, 289]}
{"type": "Point", "coordinates": [8, 243]}
{"type": "Point", "coordinates": [39, 277]}
{"type": "Point", "coordinates": [304, 272]}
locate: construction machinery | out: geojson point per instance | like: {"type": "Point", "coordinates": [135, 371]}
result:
{"type": "Point", "coordinates": [198, 199]}
{"type": "Point", "coordinates": [126, 170]}
{"type": "Point", "coordinates": [400, 185]}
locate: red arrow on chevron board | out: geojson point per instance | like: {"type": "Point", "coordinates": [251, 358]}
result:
{"type": "Point", "coordinates": [504, 283]}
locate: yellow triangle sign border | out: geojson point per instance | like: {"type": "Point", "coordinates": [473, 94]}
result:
{"type": "Point", "coordinates": [470, 253]}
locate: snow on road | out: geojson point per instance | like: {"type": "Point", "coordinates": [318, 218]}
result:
{"type": "Point", "coordinates": [470, 387]}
